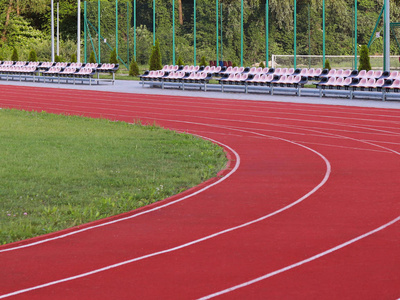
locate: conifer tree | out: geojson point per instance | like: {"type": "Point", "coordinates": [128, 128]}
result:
{"type": "Point", "coordinates": [14, 56]}
{"type": "Point", "coordinates": [327, 65]}
{"type": "Point", "coordinates": [155, 58]}
{"type": "Point", "coordinates": [73, 58]}
{"type": "Point", "coordinates": [32, 56]}
{"type": "Point", "coordinates": [134, 68]}
{"type": "Point", "coordinates": [113, 57]}
{"type": "Point", "coordinates": [92, 58]}
{"type": "Point", "coordinates": [180, 61]}
{"type": "Point", "coordinates": [365, 63]}
{"type": "Point", "coordinates": [203, 61]}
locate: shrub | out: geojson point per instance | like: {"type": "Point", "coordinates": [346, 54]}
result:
{"type": "Point", "coordinates": [155, 58]}
{"type": "Point", "coordinates": [73, 58]}
{"type": "Point", "coordinates": [113, 57]}
{"type": "Point", "coordinates": [58, 58]}
{"type": "Point", "coordinates": [365, 63]}
{"type": "Point", "coordinates": [133, 68]}
{"type": "Point", "coordinates": [203, 61]}
{"type": "Point", "coordinates": [92, 58]}
{"type": "Point", "coordinates": [327, 65]}
{"type": "Point", "coordinates": [261, 65]}
{"type": "Point", "coordinates": [180, 61]}
{"type": "Point", "coordinates": [14, 56]}
{"type": "Point", "coordinates": [32, 56]}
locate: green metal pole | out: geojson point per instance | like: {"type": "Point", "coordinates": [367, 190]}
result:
{"type": "Point", "coordinates": [127, 31]}
{"type": "Point", "coordinates": [216, 22]}
{"type": "Point", "coordinates": [386, 53]}
{"type": "Point", "coordinates": [173, 32]}
{"type": "Point", "coordinates": [266, 33]}
{"type": "Point", "coordinates": [355, 34]}
{"type": "Point", "coordinates": [309, 37]}
{"type": "Point", "coordinates": [295, 35]}
{"type": "Point", "coordinates": [98, 29]}
{"type": "Point", "coordinates": [154, 22]}
{"type": "Point", "coordinates": [194, 33]}
{"type": "Point", "coordinates": [116, 26]}
{"type": "Point", "coordinates": [222, 41]}
{"type": "Point", "coordinates": [134, 29]}
{"type": "Point", "coordinates": [84, 29]}
{"type": "Point", "coordinates": [241, 34]}
{"type": "Point", "coordinates": [323, 33]}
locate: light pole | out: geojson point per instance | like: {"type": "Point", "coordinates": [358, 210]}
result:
{"type": "Point", "coordinates": [78, 54]}
{"type": "Point", "coordinates": [52, 30]}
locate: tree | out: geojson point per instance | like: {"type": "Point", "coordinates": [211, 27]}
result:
{"type": "Point", "coordinates": [155, 58]}
{"type": "Point", "coordinates": [180, 61]}
{"type": "Point", "coordinates": [203, 61]}
{"type": "Point", "coordinates": [327, 65]}
{"type": "Point", "coordinates": [73, 58]}
{"type": "Point", "coordinates": [32, 56]}
{"type": "Point", "coordinates": [92, 58]}
{"type": "Point", "coordinates": [134, 68]}
{"type": "Point", "coordinates": [113, 57]}
{"type": "Point", "coordinates": [14, 56]}
{"type": "Point", "coordinates": [365, 63]}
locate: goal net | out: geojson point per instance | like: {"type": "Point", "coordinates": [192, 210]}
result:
{"type": "Point", "coordinates": [335, 61]}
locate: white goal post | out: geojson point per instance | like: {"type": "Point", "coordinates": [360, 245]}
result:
{"type": "Point", "coordinates": [335, 61]}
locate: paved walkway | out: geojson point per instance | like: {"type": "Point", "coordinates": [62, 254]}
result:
{"type": "Point", "coordinates": [127, 86]}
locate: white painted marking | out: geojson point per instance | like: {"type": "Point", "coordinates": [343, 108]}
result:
{"type": "Point", "coordinates": [302, 262]}
{"type": "Point", "coordinates": [324, 180]}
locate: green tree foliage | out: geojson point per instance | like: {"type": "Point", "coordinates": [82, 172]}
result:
{"type": "Point", "coordinates": [261, 65]}
{"type": "Point", "coordinates": [134, 68]}
{"type": "Point", "coordinates": [58, 58]}
{"type": "Point", "coordinates": [327, 65]}
{"type": "Point", "coordinates": [113, 57]}
{"type": "Point", "coordinates": [203, 61]}
{"type": "Point", "coordinates": [14, 56]}
{"type": "Point", "coordinates": [32, 56]}
{"type": "Point", "coordinates": [155, 58]}
{"type": "Point", "coordinates": [92, 58]}
{"type": "Point", "coordinates": [73, 58]}
{"type": "Point", "coordinates": [180, 61]}
{"type": "Point", "coordinates": [365, 63]}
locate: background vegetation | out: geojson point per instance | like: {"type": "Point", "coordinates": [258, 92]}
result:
{"type": "Point", "coordinates": [26, 26]}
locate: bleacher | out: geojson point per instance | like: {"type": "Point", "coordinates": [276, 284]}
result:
{"type": "Point", "coordinates": [340, 83]}
{"type": "Point", "coordinates": [60, 72]}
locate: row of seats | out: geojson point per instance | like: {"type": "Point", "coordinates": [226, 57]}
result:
{"type": "Point", "coordinates": [370, 84]}
{"type": "Point", "coordinates": [15, 65]}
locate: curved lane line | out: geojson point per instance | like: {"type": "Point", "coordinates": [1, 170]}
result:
{"type": "Point", "coordinates": [316, 188]}
{"type": "Point", "coordinates": [302, 262]}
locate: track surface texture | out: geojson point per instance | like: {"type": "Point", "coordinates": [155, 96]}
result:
{"type": "Point", "coordinates": [308, 208]}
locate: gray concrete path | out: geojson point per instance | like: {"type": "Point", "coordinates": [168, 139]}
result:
{"type": "Point", "coordinates": [128, 86]}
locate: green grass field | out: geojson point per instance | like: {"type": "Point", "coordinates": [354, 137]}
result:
{"type": "Point", "coordinates": [61, 171]}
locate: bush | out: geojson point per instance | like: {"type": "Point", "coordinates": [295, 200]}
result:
{"type": "Point", "coordinates": [58, 58]}
{"type": "Point", "coordinates": [113, 57]}
{"type": "Point", "coordinates": [133, 68]}
{"type": "Point", "coordinates": [203, 61]}
{"type": "Point", "coordinates": [155, 58]}
{"type": "Point", "coordinates": [14, 56]}
{"type": "Point", "coordinates": [327, 65]}
{"type": "Point", "coordinates": [180, 61]}
{"type": "Point", "coordinates": [261, 65]}
{"type": "Point", "coordinates": [92, 58]}
{"type": "Point", "coordinates": [32, 56]}
{"type": "Point", "coordinates": [73, 58]}
{"type": "Point", "coordinates": [365, 63]}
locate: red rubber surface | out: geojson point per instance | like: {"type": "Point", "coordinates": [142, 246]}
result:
{"type": "Point", "coordinates": [341, 165]}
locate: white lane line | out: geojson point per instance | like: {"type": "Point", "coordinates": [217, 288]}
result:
{"type": "Point", "coordinates": [237, 164]}
{"type": "Point", "coordinates": [316, 188]}
{"type": "Point", "coordinates": [302, 262]}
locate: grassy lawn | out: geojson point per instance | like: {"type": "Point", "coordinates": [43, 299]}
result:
{"type": "Point", "coordinates": [61, 171]}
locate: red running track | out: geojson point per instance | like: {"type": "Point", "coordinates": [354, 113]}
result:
{"type": "Point", "coordinates": [308, 208]}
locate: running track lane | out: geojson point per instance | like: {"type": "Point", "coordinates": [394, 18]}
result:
{"type": "Point", "coordinates": [311, 212]}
